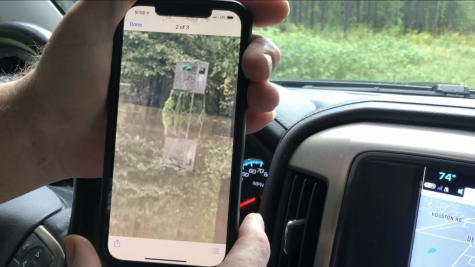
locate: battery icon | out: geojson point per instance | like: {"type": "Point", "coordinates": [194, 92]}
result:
{"type": "Point", "coordinates": [230, 17]}
{"type": "Point", "coordinates": [429, 185]}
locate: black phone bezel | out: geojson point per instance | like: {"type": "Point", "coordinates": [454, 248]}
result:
{"type": "Point", "coordinates": [239, 128]}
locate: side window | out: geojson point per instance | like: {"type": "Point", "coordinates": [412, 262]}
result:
{"type": "Point", "coordinates": [64, 5]}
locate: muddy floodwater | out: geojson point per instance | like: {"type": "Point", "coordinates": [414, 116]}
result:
{"type": "Point", "coordinates": [171, 175]}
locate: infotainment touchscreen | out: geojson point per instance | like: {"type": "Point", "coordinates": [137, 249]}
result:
{"type": "Point", "coordinates": [445, 226]}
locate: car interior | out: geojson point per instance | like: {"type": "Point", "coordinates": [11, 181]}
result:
{"type": "Point", "coordinates": [345, 166]}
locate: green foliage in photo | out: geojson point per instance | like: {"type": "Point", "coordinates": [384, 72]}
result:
{"type": "Point", "coordinates": [149, 61]}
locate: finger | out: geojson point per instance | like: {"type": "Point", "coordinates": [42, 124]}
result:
{"type": "Point", "coordinates": [262, 96]}
{"type": "Point", "coordinates": [80, 252]}
{"type": "Point", "coordinates": [252, 248]}
{"type": "Point", "coordinates": [260, 59]}
{"type": "Point", "coordinates": [91, 21]}
{"type": "Point", "coordinates": [109, 12]}
{"type": "Point", "coordinates": [265, 13]}
{"type": "Point", "coordinates": [256, 121]}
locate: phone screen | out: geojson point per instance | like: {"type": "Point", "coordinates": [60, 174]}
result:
{"type": "Point", "coordinates": [174, 138]}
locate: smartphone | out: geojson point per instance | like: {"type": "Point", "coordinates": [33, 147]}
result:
{"type": "Point", "coordinates": [175, 134]}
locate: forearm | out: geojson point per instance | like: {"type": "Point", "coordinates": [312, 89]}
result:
{"type": "Point", "coordinates": [24, 162]}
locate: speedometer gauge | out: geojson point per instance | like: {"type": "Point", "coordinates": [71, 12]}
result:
{"type": "Point", "coordinates": [253, 180]}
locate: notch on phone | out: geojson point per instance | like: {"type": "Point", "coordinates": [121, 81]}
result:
{"type": "Point", "coordinates": [190, 9]}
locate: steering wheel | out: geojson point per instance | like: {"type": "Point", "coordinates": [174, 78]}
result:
{"type": "Point", "coordinates": [33, 226]}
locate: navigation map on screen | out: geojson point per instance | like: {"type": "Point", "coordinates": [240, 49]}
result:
{"type": "Point", "coordinates": [445, 228]}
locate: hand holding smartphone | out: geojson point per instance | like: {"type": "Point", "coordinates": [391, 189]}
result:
{"type": "Point", "coordinates": [175, 137]}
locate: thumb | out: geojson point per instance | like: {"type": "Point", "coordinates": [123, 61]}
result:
{"type": "Point", "coordinates": [252, 248]}
{"type": "Point", "coordinates": [90, 22]}
{"type": "Point", "coordinates": [80, 252]}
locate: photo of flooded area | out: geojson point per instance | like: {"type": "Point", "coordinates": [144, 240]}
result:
{"type": "Point", "coordinates": [174, 139]}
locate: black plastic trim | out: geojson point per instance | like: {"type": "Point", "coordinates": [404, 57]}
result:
{"type": "Point", "coordinates": [58, 7]}
{"type": "Point", "coordinates": [85, 212]}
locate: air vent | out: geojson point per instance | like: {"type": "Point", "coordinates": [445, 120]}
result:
{"type": "Point", "coordinates": [302, 222]}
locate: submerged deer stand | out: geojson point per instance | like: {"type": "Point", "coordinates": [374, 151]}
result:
{"type": "Point", "coordinates": [190, 77]}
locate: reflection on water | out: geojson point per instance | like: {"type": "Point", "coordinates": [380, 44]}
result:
{"type": "Point", "coordinates": [180, 153]}
{"type": "Point", "coordinates": [170, 172]}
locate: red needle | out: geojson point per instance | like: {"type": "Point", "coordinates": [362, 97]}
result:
{"type": "Point", "coordinates": [247, 202]}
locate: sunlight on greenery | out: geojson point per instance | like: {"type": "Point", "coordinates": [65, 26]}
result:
{"type": "Point", "coordinates": [368, 56]}
{"type": "Point", "coordinates": [386, 41]}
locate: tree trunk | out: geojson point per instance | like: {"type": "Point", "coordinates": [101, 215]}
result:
{"type": "Point", "coordinates": [351, 12]}
{"type": "Point", "coordinates": [363, 8]}
{"type": "Point", "coordinates": [418, 16]}
{"type": "Point", "coordinates": [218, 101]}
{"type": "Point", "coordinates": [324, 11]}
{"type": "Point", "coordinates": [358, 2]}
{"type": "Point", "coordinates": [297, 12]}
{"type": "Point", "coordinates": [449, 15]}
{"type": "Point", "coordinates": [412, 17]}
{"type": "Point", "coordinates": [397, 16]}
{"type": "Point", "coordinates": [293, 11]}
{"type": "Point", "coordinates": [434, 26]}
{"type": "Point", "coordinates": [406, 21]}
{"type": "Point", "coordinates": [312, 14]}
{"type": "Point", "coordinates": [308, 12]}
{"type": "Point", "coordinates": [347, 16]}
{"type": "Point", "coordinates": [368, 11]}
{"type": "Point", "coordinates": [426, 24]}
{"type": "Point", "coordinates": [386, 13]}
{"type": "Point", "coordinates": [345, 27]}
{"type": "Point", "coordinates": [375, 14]}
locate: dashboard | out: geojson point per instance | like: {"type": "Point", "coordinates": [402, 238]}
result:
{"type": "Point", "coordinates": [383, 167]}
{"type": "Point", "coordinates": [369, 179]}
{"type": "Point", "coordinates": [353, 183]}
{"type": "Point", "coordinates": [383, 189]}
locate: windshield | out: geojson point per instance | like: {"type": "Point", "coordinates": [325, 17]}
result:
{"type": "Point", "coordinates": [384, 41]}
{"type": "Point", "coordinates": [64, 5]}
{"type": "Point", "coordinates": [381, 41]}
